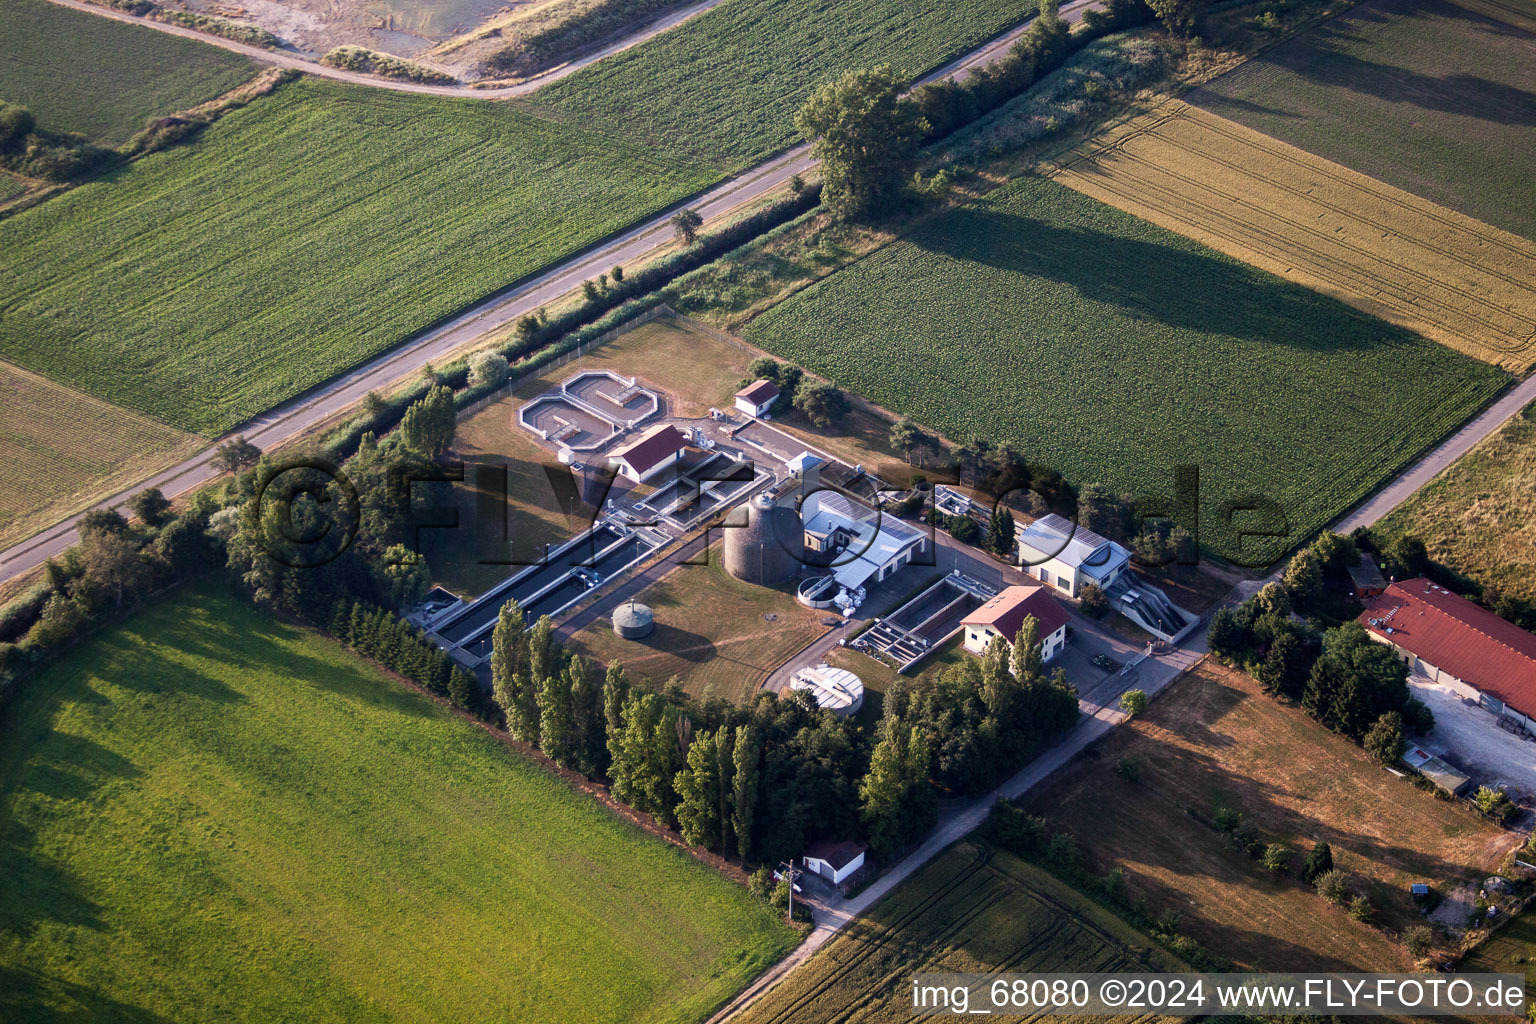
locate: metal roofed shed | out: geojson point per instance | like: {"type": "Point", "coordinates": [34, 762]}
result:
{"type": "Point", "coordinates": [633, 620]}
{"type": "Point", "coordinates": [1441, 773]}
{"type": "Point", "coordinates": [837, 690]}
{"type": "Point", "coordinates": [835, 862]}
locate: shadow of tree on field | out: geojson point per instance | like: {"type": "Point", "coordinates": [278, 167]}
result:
{"type": "Point", "coordinates": [1174, 285]}
{"type": "Point", "coordinates": [26, 995]}
{"type": "Point", "coordinates": [1329, 55]}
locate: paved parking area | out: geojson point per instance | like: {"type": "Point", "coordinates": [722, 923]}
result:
{"type": "Point", "coordinates": [1470, 738]}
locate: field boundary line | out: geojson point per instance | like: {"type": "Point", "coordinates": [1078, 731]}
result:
{"type": "Point", "coordinates": [1406, 295]}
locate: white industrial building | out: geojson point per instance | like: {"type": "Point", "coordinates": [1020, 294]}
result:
{"type": "Point", "coordinates": [859, 544]}
{"type": "Point", "coordinates": [1057, 551]}
{"type": "Point", "coordinates": [1003, 615]}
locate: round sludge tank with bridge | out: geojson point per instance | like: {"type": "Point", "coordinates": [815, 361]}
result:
{"type": "Point", "coordinates": [633, 621]}
{"type": "Point", "coordinates": [767, 548]}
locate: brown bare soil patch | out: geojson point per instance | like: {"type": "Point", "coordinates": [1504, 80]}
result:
{"type": "Point", "coordinates": [1213, 740]}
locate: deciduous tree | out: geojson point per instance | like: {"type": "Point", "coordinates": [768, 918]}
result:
{"type": "Point", "coordinates": [866, 137]}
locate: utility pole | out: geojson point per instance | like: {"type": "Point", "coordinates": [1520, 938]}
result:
{"type": "Point", "coordinates": [790, 874]}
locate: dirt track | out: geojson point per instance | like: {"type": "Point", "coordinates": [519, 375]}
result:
{"type": "Point", "coordinates": [292, 59]}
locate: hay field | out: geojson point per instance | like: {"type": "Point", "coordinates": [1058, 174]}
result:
{"type": "Point", "coordinates": [210, 815]}
{"type": "Point", "coordinates": [1432, 96]}
{"type": "Point", "coordinates": [1476, 516]}
{"type": "Point", "coordinates": [1213, 740]}
{"type": "Point", "coordinates": [973, 909]}
{"type": "Point", "coordinates": [1382, 250]}
{"type": "Point", "coordinates": [60, 449]}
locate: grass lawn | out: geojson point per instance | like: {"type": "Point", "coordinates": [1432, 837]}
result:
{"type": "Point", "coordinates": [973, 909]}
{"type": "Point", "coordinates": [1115, 351]}
{"type": "Point", "coordinates": [1510, 950]}
{"type": "Point", "coordinates": [713, 632]}
{"type": "Point", "coordinates": [62, 449]}
{"type": "Point", "coordinates": [724, 87]}
{"type": "Point", "coordinates": [209, 815]}
{"type": "Point", "coordinates": [1476, 516]}
{"type": "Point", "coordinates": [300, 235]}
{"type": "Point", "coordinates": [1432, 96]}
{"type": "Point", "coordinates": [1211, 741]}
{"type": "Point", "coordinates": [80, 72]}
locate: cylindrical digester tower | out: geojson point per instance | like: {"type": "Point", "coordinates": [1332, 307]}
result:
{"type": "Point", "coordinates": [768, 548]}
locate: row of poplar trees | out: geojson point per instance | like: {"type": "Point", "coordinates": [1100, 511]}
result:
{"type": "Point", "coordinates": [760, 781]}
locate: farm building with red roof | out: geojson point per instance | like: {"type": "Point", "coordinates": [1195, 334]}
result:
{"type": "Point", "coordinates": [757, 398]}
{"type": "Point", "coordinates": [1453, 641]}
{"type": "Point", "coordinates": [1004, 614]}
{"type": "Point", "coordinates": [650, 453]}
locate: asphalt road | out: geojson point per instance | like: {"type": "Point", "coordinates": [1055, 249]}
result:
{"type": "Point", "coordinates": [291, 419]}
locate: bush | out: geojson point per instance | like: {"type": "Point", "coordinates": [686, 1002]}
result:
{"type": "Point", "coordinates": [1063, 852]}
{"type": "Point", "coordinates": [1012, 828]}
{"type": "Point", "coordinates": [1495, 803]}
{"type": "Point", "coordinates": [488, 370]}
{"type": "Point", "coordinates": [1319, 862]}
{"type": "Point", "coordinates": [360, 58]}
{"type": "Point", "coordinates": [964, 529]}
{"type": "Point", "coordinates": [1277, 858]}
{"type": "Point", "coordinates": [1095, 604]}
{"type": "Point", "coordinates": [1418, 938]}
{"type": "Point", "coordinates": [1333, 886]}
{"type": "Point", "coordinates": [760, 884]}
{"type": "Point", "coordinates": [1134, 702]}
{"type": "Point", "coordinates": [1226, 820]}
{"type": "Point", "coordinates": [1129, 769]}
{"type": "Point", "coordinates": [1360, 909]}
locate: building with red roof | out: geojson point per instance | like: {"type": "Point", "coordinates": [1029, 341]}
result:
{"type": "Point", "coordinates": [650, 453]}
{"type": "Point", "coordinates": [758, 397]}
{"type": "Point", "coordinates": [1455, 642]}
{"type": "Point", "coordinates": [1004, 614]}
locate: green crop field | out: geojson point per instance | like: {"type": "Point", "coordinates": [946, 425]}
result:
{"type": "Point", "coordinates": [1432, 96]}
{"type": "Point", "coordinates": [299, 236]}
{"type": "Point", "coordinates": [1114, 351]}
{"type": "Point", "coordinates": [724, 87]}
{"type": "Point", "coordinates": [213, 816]}
{"type": "Point", "coordinates": [972, 909]}
{"type": "Point", "coordinates": [84, 73]}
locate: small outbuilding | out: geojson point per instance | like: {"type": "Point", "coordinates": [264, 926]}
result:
{"type": "Point", "coordinates": [836, 862]}
{"type": "Point", "coordinates": [633, 620]}
{"type": "Point", "coordinates": [650, 453]}
{"type": "Point", "coordinates": [1441, 773]}
{"type": "Point", "coordinates": [757, 398]}
{"type": "Point", "coordinates": [1366, 578]}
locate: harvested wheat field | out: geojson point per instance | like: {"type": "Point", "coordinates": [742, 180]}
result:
{"type": "Point", "coordinates": [1453, 279]}
{"type": "Point", "coordinates": [62, 449]}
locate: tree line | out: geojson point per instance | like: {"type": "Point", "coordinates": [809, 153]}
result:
{"type": "Point", "coordinates": [760, 781]}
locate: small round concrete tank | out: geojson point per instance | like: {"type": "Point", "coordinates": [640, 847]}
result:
{"type": "Point", "coordinates": [767, 549]}
{"type": "Point", "coordinates": [633, 621]}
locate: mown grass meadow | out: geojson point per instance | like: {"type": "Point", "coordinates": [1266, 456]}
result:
{"type": "Point", "coordinates": [80, 72]}
{"type": "Point", "coordinates": [1115, 351]}
{"type": "Point", "coordinates": [212, 816]}
{"type": "Point", "coordinates": [299, 236]}
{"type": "Point", "coordinates": [724, 86]}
